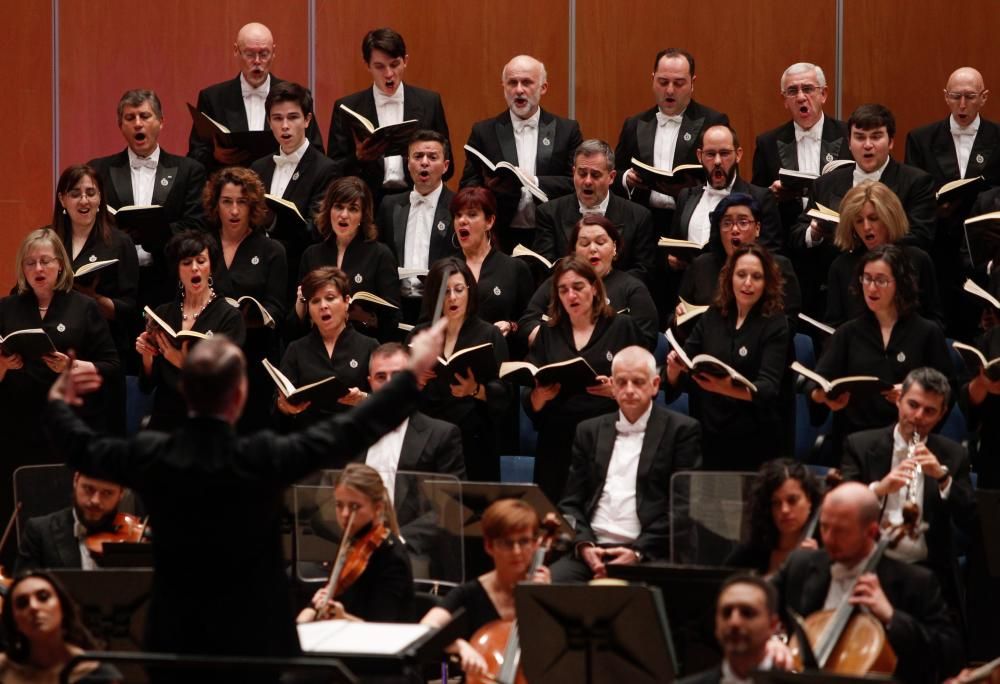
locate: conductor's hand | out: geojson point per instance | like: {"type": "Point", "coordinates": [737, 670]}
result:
{"type": "Point", "coordinates": [426, 346]}
{"type": "Point", "coordinates": [76, 380]}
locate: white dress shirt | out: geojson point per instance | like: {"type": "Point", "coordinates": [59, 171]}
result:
{"type": "Point", "coordinates": [384, 454]}
{"type": "Point", "coordinates": [841, 579]}
{"type": "Point", "coordinates": [417, 245]}
{"type": "Point", "coordinates": [600, 209]}
{"type": "Point", "coordinates": [876, 175]}
{"type": "Point", "coordinates": [253, 102]}
{"type": "Point", "coordinates": [390, 111]}
{"type": "Point", "coordinates": [526, 141]}
{"type": "Point", "coordinates": [616, 519]}
{"type": "Point", "coordinates": [908, 550]}
{"type": "Point", "coordinates": [81, 533]}
{"type": "Point", "coordinates": [730, 677]}
{"type": "Point", "coordinates": [284, 168]}
{"type": "Point", "coordinates": [664, 146]}
{"type": "Point", "coordinates": [143, 176]}
{"type": "Point", "coordinates": [964, 138]}
{"type": "Point", "coordinates": [700, 226]}
{"type": "Point", "coordinates": [807, 145]}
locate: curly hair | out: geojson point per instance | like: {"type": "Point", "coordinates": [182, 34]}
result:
{"type": "Point", "coordinates": [74, 632]}
{"type": "Point", "coordinates": [599, 306]}
{"type": "Point", "coordinates": [887, 206]}
{"type": "Point", "coordinates": [771, 476]}
{"type": "Point", "coordinates": [344, 191]}
{"type": "Point", "coordinates": [907, 297]}
{"type": "Point", "coordinates": [252, 186]}
{"type": "Point", "coordinates": [772, 301]}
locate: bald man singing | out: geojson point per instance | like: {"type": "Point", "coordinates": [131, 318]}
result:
{"type": "Point", "coordinates": [238, 104]}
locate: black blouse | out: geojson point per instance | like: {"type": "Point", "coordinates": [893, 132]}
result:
{"type": "Point", "coordinates": [700, 282]}
{"type": "Point", "coordinates": [169, 407]}
{"type": "Point", "coordinates": [479, 608]}
{"type": "Point", "coordinates": [626, 294]}
{"type": "Point", "coordinates": [259, 270]}
{"type": "Point", "coordinates": [384, 592]}
{"type": "Point", "coordinates": [505, 286]}
{"type": "Point", "coordinates": [844, 299]}
{"type": "Point", "coordinates": [986, 419]}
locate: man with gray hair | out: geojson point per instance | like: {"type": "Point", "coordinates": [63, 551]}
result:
{"type": "Point", "coordinates": [538, 142]}
{"type": "Point", "coordinates": [618, 489]}
{"type": "Point", "coordinates": [808, 142]}
{"type": "Point", "coordinates": [593, 176]}
{"type": "Point", "coordinates": [906, 462]}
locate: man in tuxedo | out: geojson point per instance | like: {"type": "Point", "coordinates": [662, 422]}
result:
{"type": "Point", "coordinates": [538, 142]}
{"type": "Point", "coordinates": [618, 489]}
{"type": "Point", "coordinates": [57, 540]}
{"type": "Point", "coordinates": [964, 145]}
{"type": "Point", "coordinates": [905, 598]}
{"type": "Point", "coordinates": [808, 142]}
{"type": "Point", "coordinates": [417, 226]}
{"type": "Point", "coordinates": [872, 131]}
{"type": "Point", "coordinates": [664, 136]}
{"type": "Point", "coordinates": [593, 176]}
{"type": "Point", "coordinates": [238, 104]}
{"type": "Point", "coordinates": [388, 101]}
{"type": "Point", "coordinates": [299, 173]}
{"type": "Point", "coordinates": [719, 152]}
{"type": "Point", "coordinates": [746, 617]}
{"type": "Point", "coordinates": [237, 565]}
{"type": "Point", "coordinates": [941, 487]}
{"type": "Point", "coordinates": [144, 174]}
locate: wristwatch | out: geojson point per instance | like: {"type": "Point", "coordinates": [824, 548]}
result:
{"type": "Point", "coordinates": [945, 476]}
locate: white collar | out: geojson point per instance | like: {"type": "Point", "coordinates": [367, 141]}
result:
{"type": "Point", "coordinates": [395, 97]}
{"type": "Point", "coordinates": [818, 126]}
{"type": "Point", "coordinates": [245, 86]}
{"type": "Point", "coordinates": [154, 155]}
{"type": "Point", "coordinates": [298, 152]}
{"type": "Point", "coordinates": [536, 117]}
{"type": "Point", "coordinates": [433, 196]}
{"type": "Point", "coordinates": [601, 208]}
{"type": "Point", "coordinates": [642, 421]}
{"type": "Point", "coordinates": [952, 124]}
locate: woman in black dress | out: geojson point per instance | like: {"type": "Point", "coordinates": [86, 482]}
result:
{"type": "Point", "coordinates": [346, 222]}
{"type": "Point", "coordinates": [83, 223]}
{"type": "Point", "coordinates": [870, 216]}
{"type": "Point", "coordinates": [745, 329]}
{"type": "Point", "coordinates": [510, 536]}
{"type": "Point", "coordinates": [383, 589]}
{"type": "Point", "coordinates": [252, 265]}
{"type": "Point", "coordinates": [887, 341]}
{"type": "Point", "coordinates": [196, 308]}
{"type": "Point", "coordinates": [595, 239]}
{"type": "Point", "coordinates": [331, 347]}
{"type": "Point", "coordinates": [503, 282]}
{"type": "Point", "coordinates": [476, 406]}
{"type": "Point", "coordinates": [580, 324]}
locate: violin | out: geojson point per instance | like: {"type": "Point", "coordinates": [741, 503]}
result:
{"type": "Point", "coordinates": [847, 640]}
{"type": "Point", "coordinates": [125, 528]}
{"type": "Point", "coordinates": [351, 561]}
{"type": "Point", "coordinates": [498, 641]}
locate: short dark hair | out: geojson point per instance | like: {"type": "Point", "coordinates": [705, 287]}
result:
{"type": "Point", "coordinates": [440, 271]}
{"type": "Point", "coordinates": [74, 632]}
{"type": "Point", "coordinates": [770, 593]}
{"type": "Point", "coordinates": [595, 220]}
{"type": "Point", "coordinates": [68, 180]}
{"type": "Point", "coordinates": [190, 243]}
{"type": "Point", "coordinates": [599, 308]}
{"type": "Point", "coordinates": [674, 52]}
{"type": "Point", "coordinates": [427, 135]}
{"type": "Point", "coordinates": [320, 277]}
{"type": "Point", "coordinates": [871, 116]}
{"type": "Point", "coordinates": [135, 98]}
{"type": "Point", "coordinates": [931, 380]}
{"type": "Point", "coordinates": [211, 371]}
{"type": "Point", "coordinates": [384, 39]}
{"type": "Point", "coordinates": [733, 199]}
{"type": "Point", "coordinates": [907, 298]}
{"type": "Point", "coordinates": [286, 91]}
{"type": "Point", "coordinates": [344, 191]}
{"type": "Point", "coordinates": [388, 349]}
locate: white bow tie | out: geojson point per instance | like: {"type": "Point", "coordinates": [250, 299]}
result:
{"type": "Point", "coordinates": [623, 427]}
{"type": "Point", "coordinates": [254, 92]}
{"type": "Point", "coordinates": [143, 162]}
{"type": "Point", "coordinates": [958, 130]}
{"type": "Point", "coordinates": [812, 134]}
{"type": "Point", "coordinates": [662, 119]}
{"type": "Point", "coordinates": [712, 193]}
{"type": "Point", "coordinates": [861, 176]}
{"type": "Point", "coordinates": [383, 99]}
{"type": "Point", "coordinates": [521, 125]}
{"type": "Point", "coordinates": [841, 573]}
{"type": "Point", "coordinates": [282, 161]}
{"type": "Point", "coordinates": [416, 199]}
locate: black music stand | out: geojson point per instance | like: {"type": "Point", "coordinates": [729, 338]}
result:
{"type": "Point", "coordinates": [113, 603]}
{"type": "Point", "coordinates": [812, 677]}
{"type": "Point", "coordinates": [126, 555]}
{"type": "Point", "coordinates": [594, 634]}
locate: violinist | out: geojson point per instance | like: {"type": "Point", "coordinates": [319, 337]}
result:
{"type": "Point", "coordinates": [374, 582]}
{"type": "Point", "coordinates": [58, 540]}
{"type": "Point", "coordinates": [511, 537]}
{"type": "Point", "coordinates": [905, 599]}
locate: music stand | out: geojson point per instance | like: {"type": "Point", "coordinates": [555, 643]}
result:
{"type": "Point", "coordinates": [463, 503]}
{"type": "Point", "coordinates": [988, 503]}
{"type": "Point", "coordinates": [594, 634]}
{"type": "Point", "coordinates": [812, 677]}
{"type": "Point", "coordinates": [126, 555]}
{"type": "Point", "coordinates": [113, 603]}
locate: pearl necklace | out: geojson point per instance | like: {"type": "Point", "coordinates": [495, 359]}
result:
{"type": "Point", "coordinates": [194, 316]}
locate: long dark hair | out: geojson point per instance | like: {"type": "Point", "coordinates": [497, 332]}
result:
{"type": "Point", "coordinates": [61, 223]}
{"type": "Point", "coordinates": [770, 477]}
{"type": "Point", "coordinates": [18, 646]}
{"type": "Point", "coordinates": [771, 301]}
{"type": "Point", "coordinates": [440, 271]}
{"type": "Point", "coordinates": [598, 308]}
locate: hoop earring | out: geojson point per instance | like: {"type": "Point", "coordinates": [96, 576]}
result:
{"type": "Point", "coordinates": [211, 282]}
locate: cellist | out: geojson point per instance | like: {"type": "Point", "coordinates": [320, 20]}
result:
{"type": "Point", "coordinates": [511, 537]}
{"type": "Point", "coordinates": [905, 599]}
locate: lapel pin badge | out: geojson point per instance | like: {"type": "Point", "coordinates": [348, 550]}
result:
{"type": "Point", "coordinates": [61, 327]}
{"type": "Point", "coordinates": [829, 157]}
{"type": "Point", "coordinates": [353, 363]}
{"type": "Point", "coordinates": [901, 357]}
{"type": "Point", "coordinates": [255, 260]}
{"type": "Point", "coordinates": [546, 142]}
{"type": "Point", "coordinates": [441, 226]}
{"type": "Point", "coordinates": [743, 351]}
{"type": "Point", "coordinates": [980, 159]}
{"type": "Point", "coordinates": [295, 176]}
{"type": "Point", "coordinates": [687, 137]}
{"type": "Point", "coordinates": [93, 258]}
{"type": "Point", "coordinates": [164, 182]}
{"type": "Point", "coordinates": [358, 278]}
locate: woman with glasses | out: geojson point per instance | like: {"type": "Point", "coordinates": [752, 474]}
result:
{"type": "Point", "coordinates": [888, 340]}
{"type": "Point", "coordinates": [871, 216]}
{"type": "Point", "coordinates": [475, 405]}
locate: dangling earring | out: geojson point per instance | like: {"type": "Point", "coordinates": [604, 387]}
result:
{"type": "Point", "coordinates": [180, 288]}
{"type": "Point", "coordinates": [454, 240]}
{"type": "Point", "coordinates": [64, 211]}
{"type": "Point", "coordinates": [211, 282]}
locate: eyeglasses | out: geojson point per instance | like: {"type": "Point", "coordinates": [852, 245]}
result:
{"type": "Point", "coordinates": [807, 90]}
{"type": "Point", "coordinates": [44, 261]}
{"type": "Point", "coordinates": [250, 55]}
{"type": "Point", "coordinates": [456, 291]}
{"type": "Point", "coordinates": [880, 281]}
{"type": "Point", "coordinates": [743, 222]}
{"type": "Point", "coordinates": [509, 544]}
{"type": "Point", "coordinates": [721, 154]}
{"type": "Point", "coordinates": [957, 97]}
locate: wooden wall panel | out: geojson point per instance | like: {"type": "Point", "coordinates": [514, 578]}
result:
{"type": "Point", "coordinates": [26, 118]}
{"type": "Point", "coordinates": [740, 51]}
{"type": "Point", "coordinates": [900, 54]}
{"type": "Point", "coordinates": [184, 46]}
{"type": "Point", "coordinates": [457, 49]}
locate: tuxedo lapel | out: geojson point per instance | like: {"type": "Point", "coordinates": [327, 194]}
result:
{"type": "Point", "coordinates": [605, 444]}
{"type": "Point", "coordinates": [879, 456]}
{"type": "Point", "coordinates": [944, 150]}
{"type": "Point", "coordinates": [413, 107]}
{"type": "Point", "coordinates": [301, 172]}
{"type": "Point", "coordinates": [645, 134]}
{"type": "Point", "coordinates": [439, 246]}
{"type": "Point", "coordinates": [235, 110]}
{"type": "Point", "coordinates": [788, 153]}
{"type": "Point", "coordinates": [982, 149]}
{"type": "Point", "coordinates": [121, 178]}
{"type": "Point", "coordinates": [400, 217]}
{"type": "Point", "coordinates": [66, 545]}
{"type": "Point", "coordinates": [164, 182]}
{"type": "Point", "coordinates": [694, 197]}
{"type": "Point", "coordinates": [414, 442]}
{"type": "Point", "coordinates": [831, 143]}
{"type": "Point", "coordinates": [655, 428]}
{"type": "Point", "coordinates": [686, 138]}
{"type": "Point", "coordinates": [505, 137]}
{"type": "Point", "coordinates": [546, 136]}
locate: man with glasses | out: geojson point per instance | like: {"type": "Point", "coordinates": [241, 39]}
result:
{"type": "Point", "coordinates": [808, 142]}
{"type": "Point", "coordinates": [618, 489]}
{"type": "Point", "coordinates": [964, 145]}
{"type": "Point", "coordinates": [238, 104]}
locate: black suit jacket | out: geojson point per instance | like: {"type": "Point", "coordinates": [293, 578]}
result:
{"type": "Point", "coordinates": [418, 103]}
{"type": "Point", "coordinates": [394, 212]}
{"type": "Point", "coordinates": [925, 640]}
{"type": "Point", "coordinates": [224, 103]}
{"type": "Point", "coordinates": [771, 235]}
{"type": "Point", "coordinates": [932, 149]}
{"type": "Point", "coordinates": [868, 457]}
{"type": "Point", "coordinates": [48, 542]}
{"type": "Point", "coordinates": [639, 132]}
{"type": "Point", "coordinates": [710, 676]}
{"type": "Point", "coordinates": [637, 253]}
{"type": "Point", "coordinates": [672, 442]}
{"type": "Point", "coordinates": [204, 465]}
{"type": "Point", "coordinates": [313, 174]}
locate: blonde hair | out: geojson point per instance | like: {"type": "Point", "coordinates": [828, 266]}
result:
{"type": "Point", "coordinates": [887, 206]}
{"type": "Point", "coordinates": [367, 480]}
{"type": "Point", "coordinates": [65, 281]}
